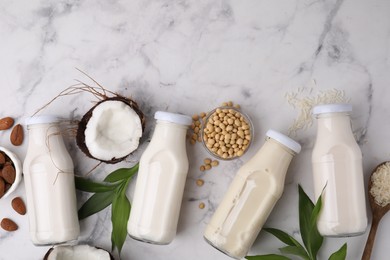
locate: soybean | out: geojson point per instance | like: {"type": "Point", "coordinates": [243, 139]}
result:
{"type": "Point", "coordinates": [199, 182]}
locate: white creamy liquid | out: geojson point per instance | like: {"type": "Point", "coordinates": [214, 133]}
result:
{"type": "Point", "coordinates": [249, 200]}
{"type": "Point", "coordinates": [237, 222]}
{"type": "Point", "coordinates": [160, 185]}
{"type": "Point", "coordinates": [50, 187]}
{"type": "Point", "coordinates": [338, 172]}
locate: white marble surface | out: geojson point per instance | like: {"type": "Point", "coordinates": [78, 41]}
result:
{"type": "Point", "coordinates": [190, 56]}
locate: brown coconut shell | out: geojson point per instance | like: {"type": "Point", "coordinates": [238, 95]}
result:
{"type": "Point", "coordinates": [48, 253]}
{"type": "Point", "coordinates": [51, 249]}
{"type": "Point", "coordinates": [80, 137]}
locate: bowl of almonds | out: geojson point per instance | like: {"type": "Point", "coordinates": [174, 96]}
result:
{"type": "Point", "coordinates": [10, 172]}
{"type": "Point", "coordinates": [227, 133]}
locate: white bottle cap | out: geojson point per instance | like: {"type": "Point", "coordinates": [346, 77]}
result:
{"type": "Point", "coordinates": [43, 119]}
{"type": "Point", "coordinates": [173, 118]}
{"type": "Point", "coordinates": [285, 140]}
{"type": "Point", "coordinates": [332, 108]}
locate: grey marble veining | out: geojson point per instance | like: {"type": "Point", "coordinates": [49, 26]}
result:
{"type": "Point", "coordinates": [190, 56]}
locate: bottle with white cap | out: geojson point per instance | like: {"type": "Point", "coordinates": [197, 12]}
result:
{"type": "Point", "coordinates": [251, 196]}
{"type": "Point", "coordinates": [338, 173]}
{"type": "Point", "coordinates": [49, 180]}
{"type": "Point", "coordinates": [160, 183]}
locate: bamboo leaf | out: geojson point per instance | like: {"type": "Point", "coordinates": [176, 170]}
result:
{"type": "Point", "coordinates": [294, 245]}
{"type": "Point", "coordinates": [267, 257]}
{"type": "Point", "coordinates": [316, 238]}
{"type": "Point", "coordinates": [306, 206]}
{"type": "Point", "coordinates": [308, 215]}
{"type": "Point", "coordinates": [87, 185]}
{"type": "Point", "coordinates": [121, 174]}
{"type": "Point", "coordinates": [119, 216]}
{"type": "Point", "coordinates": [283, 236]}
{"type": "Point", "coordinates": [341, 254]}
{"type": "Point", "coordinates": [96, 203]}
{"type": "Point", "coordinates": [316, 211]}
{"type": "Point", "coordinates": [294, 250]}
{"type": "Point", "coordinates": [112, 190]}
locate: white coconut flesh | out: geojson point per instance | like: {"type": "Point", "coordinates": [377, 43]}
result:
{"type": "Point", "coordinates": [113, 131]}
{"type": "Point", "coordinates": [79, 252]}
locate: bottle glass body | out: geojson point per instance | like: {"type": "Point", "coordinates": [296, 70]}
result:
{"type": "Point", "coordinates": [50, 187]}
{"type": "Point", "coordinates": [338, 175]}
{"type": "Point", "coordinates": [160, 185]}
{"type": "Point", "coordinates": [249, 200]}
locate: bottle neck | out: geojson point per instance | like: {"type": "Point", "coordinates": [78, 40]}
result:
{"type": "Point", "coordinates": [170, 132]}
{"type": "Point", "coordinates": [331, 123]}
{"type": "Point", "coordinates": [275, 157]}
{"type": "Point", "coordinates": [41, 135]}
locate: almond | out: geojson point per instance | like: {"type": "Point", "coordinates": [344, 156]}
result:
{"type": "Point", "coordinates": [8, 173]}
{"type": "Point", "coordinates": [18, 205]}
{"type": "Point", "coordinates": [8, 225]}
{"type": "Point", "coordinates": [6, 123]}
{"type": "Point", "coordinates": [17, 135]}
{"type": "Point", "coordinates": [2, 187]}
{"type": "Point", "coordinates": [2, 158]}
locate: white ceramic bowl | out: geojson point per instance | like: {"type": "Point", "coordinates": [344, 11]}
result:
{"type": "Point", "coordinates": [18, 170]}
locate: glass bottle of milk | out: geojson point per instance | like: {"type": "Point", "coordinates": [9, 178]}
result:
{"type": "Point", "coordinates": [160, 183]}
{"type": "Point", "coordinates": [338, 173]}
{"type": "Point", "coordinates": [251, 197]}
{"type": "Point", "coordinates": [49, 181]}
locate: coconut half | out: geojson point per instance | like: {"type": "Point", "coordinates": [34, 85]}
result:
{"type": "Point", "coordinates": [78, 252]}
{"type": "Point", "coordinates": [111, 130]}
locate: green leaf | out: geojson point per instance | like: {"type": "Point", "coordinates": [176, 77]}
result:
{"type": "Point", "coordinates": [308, 215]}
{"type": "Point", "coordinates": [96, 203]}
{"type": "Point", "coordinates": [267, 257]}
{"type": "Point", "coordinates": [316, 212]}
{"type": "Point", "coordinates": [294, 250]}
{"type": "Point", "coordinates": [120, 213]}
{"type": "Point", "coordinates": [341, 254]}
{"type": "Point", "coordinates": [306, 206]}
{"type": "Point", "coordinates": [87, 185]}
{"type": "Point", "coordinates": [316, 238]}
{"type": "Point", "coordinates": [112, 190]}
{"type": "Point", "coordinates": [121, 174]}
{"type": "Point", "coordinates": [294, 247]}
{"type": "Point", "coordinates": [283, 236]}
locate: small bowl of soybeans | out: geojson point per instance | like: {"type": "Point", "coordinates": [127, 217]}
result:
{"type": "Point", "coordinates": [227, 133]}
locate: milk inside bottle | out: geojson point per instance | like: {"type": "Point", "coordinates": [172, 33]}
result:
{"type": "Point", "coordinates": [49, 181]}
{"type": "Point", "coordinates": [251, 196]}
{"type": "Point", "coordinates": [160, 182]}
{"type": "Point", "coordinates": [338, 173]}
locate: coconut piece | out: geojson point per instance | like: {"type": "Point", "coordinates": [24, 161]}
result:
{"type": "Point", "coordinates": [111, 130]}
{"type": "Point", "coordinates": [78, 252]}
